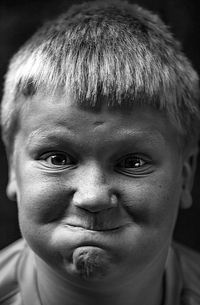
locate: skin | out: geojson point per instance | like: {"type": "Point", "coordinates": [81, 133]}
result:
{"type": "Point", "coordinates": [98, 195]}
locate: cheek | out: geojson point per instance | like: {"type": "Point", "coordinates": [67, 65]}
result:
{"type": "Point", "coordinates": [153, 202]}
{"type": "Point", "coordinates": [41, 206]}
{"type": "Point", "coordinates": [41, 200]}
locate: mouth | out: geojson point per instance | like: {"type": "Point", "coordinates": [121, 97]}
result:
{"type": "Point", "coordinates": [93, 229]}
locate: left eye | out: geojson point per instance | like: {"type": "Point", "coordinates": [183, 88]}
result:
{"type": "Point", "coordinates": [57, 159]}
{"type": "Point", "coordinates": [134, 165]}
{"type": "Point", "coordinates": [131, 162]}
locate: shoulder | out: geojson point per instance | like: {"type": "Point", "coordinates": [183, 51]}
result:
{"type": "Point", "coordinates": [10, 258]}
{"type": "Point", "coordinates": [189, 262]}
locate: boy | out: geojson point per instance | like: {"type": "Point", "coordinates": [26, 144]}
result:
{"type": "Point", "coordinates": [100, 119]}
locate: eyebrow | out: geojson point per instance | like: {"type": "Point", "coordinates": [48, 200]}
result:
{"type": "Point", "coordinates": [46, 136]}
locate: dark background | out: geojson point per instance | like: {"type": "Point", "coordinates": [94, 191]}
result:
{"type": "Point", "coordinates": [19, 19]}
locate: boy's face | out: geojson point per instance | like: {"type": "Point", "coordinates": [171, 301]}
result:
{"type": "Point", "coordinates": [98, 193]}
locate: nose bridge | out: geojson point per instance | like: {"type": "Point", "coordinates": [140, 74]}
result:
{"type": "Point", "coordinates": [93, 190]}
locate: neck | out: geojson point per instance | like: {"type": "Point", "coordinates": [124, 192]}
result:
{"type": "Point", "coordinates": [143, 289]}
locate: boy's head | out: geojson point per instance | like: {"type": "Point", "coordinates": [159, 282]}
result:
{"type": "Point", "coordinates": [96, 105]}
{"type": "Point", "coordinates": [118, 52]}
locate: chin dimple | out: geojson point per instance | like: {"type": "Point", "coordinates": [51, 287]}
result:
{"type": "Point", "coordinates": [90, 262]}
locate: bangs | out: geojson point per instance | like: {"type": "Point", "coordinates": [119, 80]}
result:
{"type": "Point", "coordinates": [122, 70]}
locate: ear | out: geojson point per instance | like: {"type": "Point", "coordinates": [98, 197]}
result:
{"type": "Point", "coordinates": [188, 172]}
{"type": "Point", "coordinates": [11, 189]}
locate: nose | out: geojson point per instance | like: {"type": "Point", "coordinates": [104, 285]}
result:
{"type": "Point", "coordinates": [93, 193]}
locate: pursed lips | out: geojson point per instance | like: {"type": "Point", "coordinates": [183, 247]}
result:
{"type": "Point", "coordinates": [94, 228]}
{"type": "Point", "coordinates": [98, 222]}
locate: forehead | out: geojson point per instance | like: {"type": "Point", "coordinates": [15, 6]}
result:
{"type": "Point", "coordinates": [58, 115]}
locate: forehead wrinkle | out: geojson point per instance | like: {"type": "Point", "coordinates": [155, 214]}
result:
{"type": "Point", "coordinates": [97, 132]}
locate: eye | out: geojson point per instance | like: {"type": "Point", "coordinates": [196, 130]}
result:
{"type": "Point", "coordinates": [57, 159]}
{"type": "Point", "coordinates": [131, 162]}
{"type": "Point", "coordinates": [134, 165]}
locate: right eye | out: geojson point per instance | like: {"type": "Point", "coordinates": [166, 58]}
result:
{"type": "Point", "coordinates": [57, 159]}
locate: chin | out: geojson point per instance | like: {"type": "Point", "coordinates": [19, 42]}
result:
{"type": "Point", "coordinates": [90, 263]}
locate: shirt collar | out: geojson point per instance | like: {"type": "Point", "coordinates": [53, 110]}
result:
{"type": "Point", "coordinates": [172, 280]}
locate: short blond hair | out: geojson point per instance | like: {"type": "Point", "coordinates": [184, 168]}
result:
{"type": "Point", "coordinates": [116, 51]}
